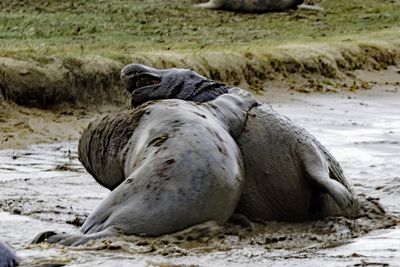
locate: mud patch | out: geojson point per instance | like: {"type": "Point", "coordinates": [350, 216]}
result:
{"type": "Point", "coordinates": [33, 186]}
{"type": "Point", "coordinates": [300, 237]}
{"type": "Point", "coordinates": [46, 182]}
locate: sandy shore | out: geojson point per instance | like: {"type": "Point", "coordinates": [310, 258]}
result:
{"type": "Point", "coordinates": [44, 187]}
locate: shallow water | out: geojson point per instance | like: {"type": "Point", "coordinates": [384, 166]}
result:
{"type": "Point", "coordinates": [46, 188]}
{"type": "Point", "coordinates": [363, 132]}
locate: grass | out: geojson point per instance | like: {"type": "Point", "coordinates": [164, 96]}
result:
{"type": "Point", "coordinates": [54, 51]}
{"type": "Point", "coordinates": [116, 28]}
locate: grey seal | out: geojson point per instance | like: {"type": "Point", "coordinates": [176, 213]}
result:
{"type": "Point", "coordinates": [173, 164]}
{"type": "Point", "coordinates": [7, 256]}
{"type": "Point", "coordinates": [290, 176]}
{"type": "Point", "coordinates": [252, 5]}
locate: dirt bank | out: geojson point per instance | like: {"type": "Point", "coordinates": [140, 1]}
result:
{"type": "Point", "coordinates": [95, 80]}
{"type": "Point", "coordinates": [21, 126]}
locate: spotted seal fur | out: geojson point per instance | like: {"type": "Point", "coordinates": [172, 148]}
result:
{"type": "Point", "coordinates": [171, 164]}
{"type": "Point", "coordinates": [290, 176]}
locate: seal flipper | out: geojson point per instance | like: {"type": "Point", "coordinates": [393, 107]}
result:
{"type": "Point", "coordinates": [110, 231]}
{"type": "Point", "coordinates": [232, 108]}
{"type": "Point", "coordinates": [96, 219]}
{"type": "Point", "coordinates": [317, 170]}
{"type": "Point", "coordinates": [72, 239]}
{"type": "Point", "coordinates": [42, 237]}
{"type": "Point", "coordinates": [311, 7]}
{"type": "Point", "coordinates": [212, 4]}
{"type": "Point", "coordinates": [50, 237]}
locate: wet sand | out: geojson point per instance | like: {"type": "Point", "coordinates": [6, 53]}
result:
{"type": "Point", "coordinates": [21, 126]}
{"type": "Point", "coordinates": [44, 187]}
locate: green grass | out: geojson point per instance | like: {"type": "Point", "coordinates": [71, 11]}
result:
{"type": "Point", "coordinates": [116, 28]}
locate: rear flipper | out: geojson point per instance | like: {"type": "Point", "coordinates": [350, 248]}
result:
{"type": "Point", "coordinates": [317, 169]}
{"type": "Point", "coordinates": [311, 7]}
{"type": "Point", "coordinates": [210, 5]}
{"type": "Point", "coordinates": [72, 239]}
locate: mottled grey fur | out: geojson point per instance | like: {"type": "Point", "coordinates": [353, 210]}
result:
{"type": "Point", "coordinates": [290, 176]}
{"type": "Point", "coordinates": [7, 256]}
{"type": "Point", "coordinates": [252, 5]}
{"type": "Point", "coordinates": [173, 164]}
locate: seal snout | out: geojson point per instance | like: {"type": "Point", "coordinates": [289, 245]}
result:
{"type": "Point", "coordinates": [137, 76]}
{"type": "Point", "coordinates": [132, 70]}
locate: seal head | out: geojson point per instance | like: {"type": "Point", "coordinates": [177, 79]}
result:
{"type": "Point", "coordinates": [146, 83]}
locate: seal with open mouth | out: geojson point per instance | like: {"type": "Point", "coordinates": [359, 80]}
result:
{"type": "Point", "coordinates": [290, 176]}
{"type": "Point", "coordinates": [146, 83]}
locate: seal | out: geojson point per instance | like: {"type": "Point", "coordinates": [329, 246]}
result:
{"type": "Point", "coordinates": [7, 256]}
{"type": "Point", "coordinates": [290, 176]}
{"type": "Point", "coordinates": [174, 163]}
{"type": "Point", "coordinates": [255, 6]}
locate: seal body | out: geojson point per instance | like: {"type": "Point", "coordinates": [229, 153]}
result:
{"type": "Point", "coordinates": [256, 6]}
{"type": "Point", "coordinates": [290, 176]}
{"type": "Point", "coordinates": [175, 165]}
{"type": "Point", "coordinates": [7, 256]}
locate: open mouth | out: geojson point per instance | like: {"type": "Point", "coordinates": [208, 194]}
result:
{"type": "Point", "coordinates": [142, 80]}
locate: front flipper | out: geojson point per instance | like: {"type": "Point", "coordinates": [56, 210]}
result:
{"type": "Point", "coordinates": [71, 239]}
{"type": "Point", "coordinates": [232, 109]}
{"type": "Point", "coordinates": [317, 169]}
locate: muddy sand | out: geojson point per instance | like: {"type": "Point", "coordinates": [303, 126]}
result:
{"type": "Point", "coordinates": [44, 187]}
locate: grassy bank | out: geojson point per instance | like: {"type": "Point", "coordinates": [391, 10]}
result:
{"type": "Point", "coordinates": [114, 27]}
{"type": "Point", "coordinates": [52, 51]}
